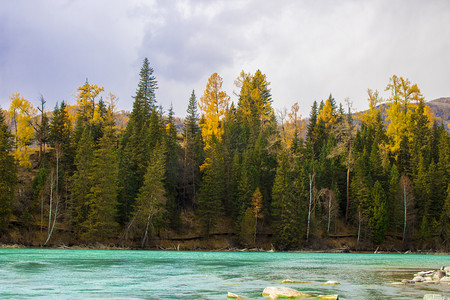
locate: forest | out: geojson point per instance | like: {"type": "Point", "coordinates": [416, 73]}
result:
{"type": "Point", "coordinates": [227, 175]}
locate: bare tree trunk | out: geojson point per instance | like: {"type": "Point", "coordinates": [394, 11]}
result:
{"type": "Point", "coordinates": [55, 215]}
{"type": "Point", "coordinates": [42, 212]}
{"type": "Point", "coordinates": [311, 178]}
{"type": "Point", "coordinates": [51, 202]}
{"type": "Point", "coordinates": [256, 224]}
{"type": "Point", "coordinates": [348, 192]}
{"type": "Point", "coordinates": [146, 232]}
{"type": "Point", "coordinates": [405, 212]}
{"type": "Point", "coordinates": [359, 225]}
{"type": "Point", "coordinates": [329, 213]}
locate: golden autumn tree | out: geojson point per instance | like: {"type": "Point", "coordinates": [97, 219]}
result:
{"type": "Point", "coordinates": [22, 113]}
{"type": "Point", "coordinates": [213, 105]}
{"type": "Point", "coordinates": [327, 114]}
{"type": "Point", "coordinates": [400, 104]}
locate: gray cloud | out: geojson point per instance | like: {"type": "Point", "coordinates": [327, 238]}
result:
{"type": "Point", "coordinates": [307, 49]}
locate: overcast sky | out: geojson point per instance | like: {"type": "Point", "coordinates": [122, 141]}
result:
{"type": "Point", "coordinates": [307, 49]}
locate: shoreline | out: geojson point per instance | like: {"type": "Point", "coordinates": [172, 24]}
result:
{"type": "Point", "coordinates": [104, 247]}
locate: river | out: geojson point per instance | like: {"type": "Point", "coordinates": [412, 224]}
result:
{"type": "Point", "coordinates": [124, 274]}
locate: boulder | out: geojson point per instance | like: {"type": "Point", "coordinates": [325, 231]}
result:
{"type": "Point", "coordinates": [397, 283]}
{"type": "Point", "coordinates": [433, 297]}
{"type": "Point", "coordinates": [428, 278]}
{"type": "Point", "coordinates": [331, 297]}
{"type": "Point", "coordinates": [438, 274]}
{"type": "Point", "coordinates": [331, 282]}
{"type": "Point", "coordinates": [273, 292]}
{"type": "Point", "coordinates": [294, 281]}
{"type": "Point", "coordinates": [234, 296]}
{"type": "Point", "coordinates": [405, 281]}
{"type": "Point", "coordinates": [418, 279]}
{"type": "Point", "coordinates": [445, 279]}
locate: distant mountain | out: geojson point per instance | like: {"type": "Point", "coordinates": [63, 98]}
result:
{"type": "Point", "coordinates": [441, 109]}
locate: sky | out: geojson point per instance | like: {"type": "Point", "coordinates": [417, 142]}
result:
{"type": "Point", "coordinates": [307, 49]}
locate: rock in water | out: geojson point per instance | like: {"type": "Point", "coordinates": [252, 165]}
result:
{"type": "Point", "coordinates": [273, 292]}
{"type": "Point", "coordinates": [294, 281]}
{"type": "Point", "coordinates": [330, 297]}
{"type": "Point", "coordinates": [438, 274]}
{"type": "Point", "coordinates": [445, 279]}
{"type": "Point", "coordinates": [433, 297]}
{"type": "Point", "coordinates": [331, 282]}
{"type": "Point", "coordinates": [234, 296]}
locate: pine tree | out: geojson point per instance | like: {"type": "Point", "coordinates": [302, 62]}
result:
{"type": "Point", "coordinates": [284, 207]}
{"type": "Point", "coordinates": [8, 179]}
{"type": "Point", "coordinates": [192, 144]}
{"type": "Point", "coordinates": [445, 220]}
{"type": "Point", "coordinates": [212, 187]}
{"type": "Point", "coordinates": [150, 206]}
{"type": "Point", "coordinates": [81, 183]}
{"type": "Point", "coordinates": [173, 173]}
{"type": "Point", "coordinates": [137, 142]}
{"type": "Point", "coordinates": [100, 224]}
{"type": "Point", "coordinates": [378, 221]}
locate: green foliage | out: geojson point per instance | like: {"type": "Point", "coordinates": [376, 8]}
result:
{"type": "Point", "coordinates": [285, 207]}
{"type": "Point", "coordinates": [150, 207]}
{"type": "Point", "coordinates": [100, 224]}
{"type": "Point", "coordinates": [81, 183]}
{"type": "Point", "coordinates": [142, 133]}
{"type": "Point", "coordinates": [247, 228]}
{"type": "Point", "coordinates": [379, 220]}
{"type": "Point", "coordinates": [212, 188]}
{"type": "Point", "coordinates": [8, 171]}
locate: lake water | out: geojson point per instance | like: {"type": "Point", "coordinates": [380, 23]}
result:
{"type": "Point", "coordinates": [120, 274]}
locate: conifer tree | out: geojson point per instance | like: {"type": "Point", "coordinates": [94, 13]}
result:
{"type": "Point", "coordinates": [284, 207]}
{"type": "Point", "coordinates": [81, 183]}
{"type": "Point", "coordinates": [8, 171]}
{"type": "Point", "coordinates": [212, 187]}
{"type": "Point", "coordinates": [173, 173]}
{"type": "Point", "coordinates": [378, 221]}
{"type": "Point", "coordinates": [151, 201]}
{"type": "Point", "coordinates": [193, 149]}
{"type": "Point", "coordinates": [100, 224]}
{"type": "Point", "coordinates": [137, 142]}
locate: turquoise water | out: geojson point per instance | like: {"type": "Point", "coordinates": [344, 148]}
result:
{"type": "Point", "coordinates": [118, 274]}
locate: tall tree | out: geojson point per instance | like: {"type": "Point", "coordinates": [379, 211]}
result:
{"type": "Point", "coordinates": [81, 184]}
{"type": "Point", "coordinates": [285, 207]}
{"type": "Point", "coordinates": [151, 201]}
{"type": "Point", "coordinates": [192, 144]}
{"type": "Point", "coordinates": [137, 142]}
{"type": "Point", "coordinates": [173, 173]}
{"type": "Point", "coordinates": [8, 179]}
{"type": "Point", "coordinates": [213, 104]}
{"type": "Point", "coordinates": [100, 224]}
{"type": "Point", "coordinates": [22, 113]}
{"type": "Point", "coordinates": [212, 188]}
{"type": "Point", "coordinates": [378, 221]}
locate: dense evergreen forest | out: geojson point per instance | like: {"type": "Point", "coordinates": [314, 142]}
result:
{"type": "Point", "coordinates": [236, 171]}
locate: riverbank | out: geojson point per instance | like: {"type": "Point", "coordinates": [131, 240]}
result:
{"type": "Point", "coordinates": [232, 249]}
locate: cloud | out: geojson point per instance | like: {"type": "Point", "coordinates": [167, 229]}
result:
{"type": "Point", "coordinates": [307, 49]}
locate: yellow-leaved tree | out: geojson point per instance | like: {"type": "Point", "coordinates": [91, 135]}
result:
{"type": "Point", "coordinates": [255, 100]}
{"type": "Point", "coordinates": [88, 111]}
{"type": "Point", "coordinates": [213, 105]}
{"type": "Point", "coordinates": [22, 114]}
{"type": "Point", "coordinates": [399, 112]}
{"type": "Point", "coordinates": [328, 113]}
